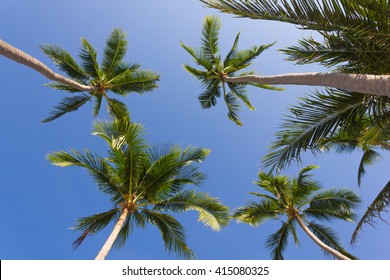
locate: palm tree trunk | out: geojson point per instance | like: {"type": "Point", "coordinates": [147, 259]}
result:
{"type": "Point", "coordinates": [114, 234]}
{"type": "Point", "coordinates": [323, 246]}
{"type": "Point", "coordinates": [369, 84]}
{"type": "Point", "coordinates": [21, 57]}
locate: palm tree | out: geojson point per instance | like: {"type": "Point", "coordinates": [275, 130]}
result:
{"type": "Point", "coordinates": [90, 80]}
{"type": "Point", "coordinates": [213, 77]}
{"type": "Point", "coordinates": [144, 183]}
{"type": "Point", "coordinates": [219, 73]}
{"type": "Point", "coordinates": [294, 199]}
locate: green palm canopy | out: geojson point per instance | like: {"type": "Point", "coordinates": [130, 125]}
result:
{"type": "Point", "coordinates": [299, 201]}
{"type": "Point", "coordinates": [112, 75]}
{"type": "Point", "coordinates": [145, 184]}
{"type": "Point", "coordinates": [214, 69]}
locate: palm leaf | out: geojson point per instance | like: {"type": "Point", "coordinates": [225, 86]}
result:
{"type": "Point", "coordinates": [170, 168]}
{"type": "Point", "coordinates": [233, 107]}
{"type": "Point", "coordinates": [328, 236]}
{"type": "Point", "coordinates": [60, 86]}
{"type": "Point", "coordinates": [211, 212]}
{"type": "Point", "coordinates": [380, 203]}
{"type": "Point", "coordinates": [333, 203]}
{"type": "Point", "coordinates": [98, 104]}
{"type": "Point", "coordinates": [115, 50]}
{"type": "Point", "coordinates": [210, 30]}
{"type": "Point", "coordinates": [318, 15]}
{"type": "Point", "coordinates": [244, 58]}
{"type": "Point", "coordinates": [232, 51]}
{"type": "Point", "coordinates": [93, 224]}
{"type": "Point", "coordinates": [88, 57]}
{"type": "Point", "coordinates": [68, 104]}
{"type": "Point", "coordinates": [65, 62]}
{"type": "Point", "coordinates": [255, 213]}
{"type": "Point", "coordinates": [172, 232]}
{"type": "Point", "coordinates": [199, 57]}
{"type": "Point", "coordinates": [278, 241]}
{"type": "Point", "coordinates": [212, 91]}
{"type": "Point", "coordinates": [97, 166]}
{"type": "Point", "coordinates": [368, 158]}
{"type": "Point", "coordinates": [139, 81]}
{"type": "Point", "coordinates": [313, 119]}
{"type": "Point", "coordinates": [239, 91]}
{"type": "Point", "coordinates": [116, 108]}
{"type": "Point", "coordinates": [132, 134]}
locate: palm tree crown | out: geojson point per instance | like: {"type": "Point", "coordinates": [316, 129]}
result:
{"type": "Point", "coordinates": [113, 75]}
{"type": "Point", "coordinates": [216, 69]}
{"type": "Point", "coordinates": [144, 183]}
{"type": "Point", "coordinates": [295, 200]}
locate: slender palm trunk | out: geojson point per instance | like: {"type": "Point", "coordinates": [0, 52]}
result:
{"type": "Point", "coordinates": [21, 57]}
{"type": "Point", "coordinates": [114, 234]}
{"type": "Point", "coordinates": [369, 84]}
{"type": "Point", "coordinates": [323, 246]}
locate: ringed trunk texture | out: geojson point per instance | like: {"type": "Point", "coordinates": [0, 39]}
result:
{"type": "Point", "coordinates": [21, 57]}
{"type": "Point", "coordinates": [323, 246]}
{"type": "Point", "coordinates": [114, 234]}
{"type": "Point", "coordinates": [369, 84]}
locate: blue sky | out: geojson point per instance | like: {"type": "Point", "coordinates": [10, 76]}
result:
{"type": "Point", "coordinates": [40, 202]}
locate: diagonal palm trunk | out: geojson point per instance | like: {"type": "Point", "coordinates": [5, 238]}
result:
{"type": "Point", "coordinates": [114, 234]}
{"type": "Point", "coordinates": [369, 84]}
{"type": "Point", "coordinates": [322, 245]}
{"type": "Point", "coordinates": [21, 57]}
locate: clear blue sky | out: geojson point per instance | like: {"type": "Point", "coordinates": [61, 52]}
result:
{"type": "Point", "coordinates": [40, 202]}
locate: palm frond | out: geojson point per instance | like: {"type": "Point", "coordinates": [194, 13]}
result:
{"type": "Point", "coordinates": [312, 120]}
{"type": "Point", "coordinates": [116, 109]}
{"type": "Point", "coordinates": [328, 236]}
{"type": "Point", "coordinates": [278, 241]}
{"type": "Point", "coordinates": [233, 107]}
{"type": "Point", "coordinates": [279, 186]}
{"type": "Point", "coordinates": [88, 57]}
{"type": "Point", "coordinates": [99, 169]}
{"type": "Point", "coordinates": [202, 76]}
{"type": "Point", "coordinates": [211, 212]}
{"type": "Point", "coordinates": [199, 57]}
{"type": "Point", "coordinates": [239, 91]}
{"type": "Point", "coordinates": [93, 224]}
{"type": "Point", "coordinates": [212, 91]}
{"type": "Point", "coordinates": [65, 62]}
{"type": "Point", "coordinates": [333, 203]}
{"type": "Point", "coordinates": [232, 51]}
{"type": "Point", "coordinates": [317, 15]}
{"type": "Point", "coordinates": [170, 168]}
{"type": "Point", "coordinates": [355, 51]}
{"type": "Point", "coordinates": [140, 81]}
{"type": "Point", "coordinates": [304, 186]}
{"type": "Point", "coordinates": [60, 86]}
{"type": "Point", "coordinates": [68, 104]}
{"type": "Point", "coordinates": [368, 158]}
{"type": "Point", "coordinates": [379, 205]}
{"type": "Point", "coordinates": [244, 58]}
{"type": "Point", "coordinates": [172, 232]}
{"type": "Point", "coordinates": [255, 213]}
{"type": "Point", "coordinates": [121, 133]}
{"type": "Point", "coordinates": [98, 103]}
{"type": "Point", "coordinates": [210, 30]}
{"type": "Point", "coordinates": [115, 50]}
